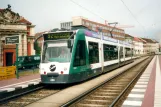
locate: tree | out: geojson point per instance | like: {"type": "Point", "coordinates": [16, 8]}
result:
{"type": "Point", "coordinates": [38, 49]}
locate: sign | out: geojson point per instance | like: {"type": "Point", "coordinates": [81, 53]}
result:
{"type": "Point", "coordinates": [12, 40]}
{"type": "Point", "coordinates": [110, 39]}
{"type": "Point", "coordinates": [55, 36]}
{"type": "Point", "coordinates": [7, 72]}
{"type": "Point", "coordinates": [92, 34]}
{"type": "Point", "coordinates": [126, 43]}
{"type": "Point", "coordinates": [13, 27]}
{"type": "Point", "coordinates": [121, 42]}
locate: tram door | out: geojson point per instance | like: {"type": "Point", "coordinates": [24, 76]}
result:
{"type": "Point", "coordinates": [120, 55]}
{"type": "Point", "coordinates": [9, 58]}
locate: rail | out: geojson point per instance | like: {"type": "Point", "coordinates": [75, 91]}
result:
{"type": "Point", "coordinates": [77, 99]}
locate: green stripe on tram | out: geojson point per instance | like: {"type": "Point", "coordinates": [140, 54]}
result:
{"type": "Point", "coordinates": [79, 62]}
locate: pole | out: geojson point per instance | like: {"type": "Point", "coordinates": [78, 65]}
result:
{"type": "Point", "coordinates": [112, 28]}
{"type": "Point", "coordinates": [17, 75]}
{"type": "Point", "coordinates": [101, 33]}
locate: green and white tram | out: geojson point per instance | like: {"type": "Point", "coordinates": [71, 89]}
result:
{"type": "Point", "coordinates": [75, 56]}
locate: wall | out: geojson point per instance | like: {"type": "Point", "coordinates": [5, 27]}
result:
{"type": "Point", "coordinates": [32, 31]}
{"type": "Point", "coordinates": [9, 48]}
{"type": "Point", "coordinates": [77, 21]}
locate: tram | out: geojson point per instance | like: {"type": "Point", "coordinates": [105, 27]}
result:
{"type": "Point", "coordinates": [75, 56]}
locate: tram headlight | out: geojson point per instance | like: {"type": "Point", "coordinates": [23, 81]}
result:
{"type": "Point", "coordinates": [45, 72]}
{"type": "Point", "coordinates": [62, 72]}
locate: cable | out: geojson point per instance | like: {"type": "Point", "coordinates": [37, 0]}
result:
{"type": "Point", "coordinates": [133, 15]}
{"type": "Point", "coordinates": [87, 10]}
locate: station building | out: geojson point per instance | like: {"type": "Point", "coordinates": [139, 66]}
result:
{"type": "Point", "coordinates": [12, 24]}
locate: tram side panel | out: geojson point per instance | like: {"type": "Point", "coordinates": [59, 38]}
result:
{"type": "Point", "coordinates": [121, 55]}
{"type": "Point", "coordinates": [80, 69]}
{"type": "Point", "coordinates": [111, 60]}
{"type": "Point", "coordinates": [94, 56]}
{"type": "Point", "coordinates": [128, 54]}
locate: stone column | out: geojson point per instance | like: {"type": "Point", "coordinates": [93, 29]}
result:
{"type": "Point", "coordinates": [20, 45]}
{"type": "Point", "coordinates": [32, 47]}
{"type": "Point", "coordinates": [25, 45]}
{"type": "Point", "coordinates": [1, 51]}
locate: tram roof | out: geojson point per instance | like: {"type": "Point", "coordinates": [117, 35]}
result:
{"type": "Point", "coordinates": [66, 34]}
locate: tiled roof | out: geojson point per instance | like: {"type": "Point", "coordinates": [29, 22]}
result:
{"type": "Point", "coordinates": [154, 41]}
{"type": "Point", "coordinates": [137, 39]}
{"type": "Point", "coordinates": [150, 40]}
{"type": "Point", "coordinates": [23, 20]}
{"type": "Point", "coordinates": [128, 36]}
{"type": "Point", "coordinates": [1, 10]}
{"type": "Point", "coordinates": [143, 40]}
{"type": "Point", "coordinates": [38, 34]}
{"type": "Point", "coordinates": [100, 24]}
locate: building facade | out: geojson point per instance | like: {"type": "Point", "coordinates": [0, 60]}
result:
{"type": "Point", "coordinates": [129, 38]}
{"type": "Point", "coordinates": [150, 46]}
{"type": "Point", "coordinates": [12, 24]}
{"type": "Point", "coordinates": [138, 46]}
{"type": "Point", "coordinates": [77, 21]}
{"type": "Point", "coordinates": [66, 25]}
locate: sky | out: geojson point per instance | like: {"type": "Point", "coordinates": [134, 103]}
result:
{"type": "Point", "coordinates": [144, 15]}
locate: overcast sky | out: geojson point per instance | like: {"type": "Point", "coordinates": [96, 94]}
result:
{"type": "Point", "coordinates": [144, 15]}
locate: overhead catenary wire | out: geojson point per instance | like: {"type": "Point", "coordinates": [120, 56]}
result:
{"type": "Point", "coordinates": [133, 16]}
{"type": "Point", "coordinates": [88, 10]}
{"type": "Point", "coordinates": [96, 14]}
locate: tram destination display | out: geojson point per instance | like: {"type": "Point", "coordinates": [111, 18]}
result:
{"type": "Point", "coordinates": [55, 36]}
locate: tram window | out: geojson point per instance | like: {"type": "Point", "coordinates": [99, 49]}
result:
{"type": "Point", "coordinates": [132, 51]}
{"type": "Point", "coordinates": [44, 51]}
{"type": "Point", "coordinates": [128, 52]}
{"type": "Point", "coordinates": [80, 54]}
{"type": "Point", "coordinates": [93, 52]}
{"type": "Point", "coordinates": [121, 52]}
{"type": "Point", "coordinates": [110, 52]}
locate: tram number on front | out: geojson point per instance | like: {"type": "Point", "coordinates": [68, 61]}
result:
{"type": "Point", "coordinates": [52, 79]}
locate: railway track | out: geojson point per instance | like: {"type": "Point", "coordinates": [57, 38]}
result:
{"type": "Point", "coordinates": [31, 96]}
{"type": "Point", "coordinates": [113, 91]}
{"type": "Point", "coordinates": [110, 92]}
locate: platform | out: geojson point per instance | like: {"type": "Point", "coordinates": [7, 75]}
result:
{"type": "Point", "coordinates": [23, 82]}
{"type": "Point", "coordinates": [147, 91]}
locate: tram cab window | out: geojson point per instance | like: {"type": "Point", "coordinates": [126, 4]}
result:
{"type": "Point", "coordinates": [93, 52]}
{"type": "Point", "coordinates": [121, 52]}
{"type": "Point", "coordinates": [110, 52]}
{"type": "Point", "coordinates": [132, 52]}
{"type": "Point", "coordinates": [80, 54]}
